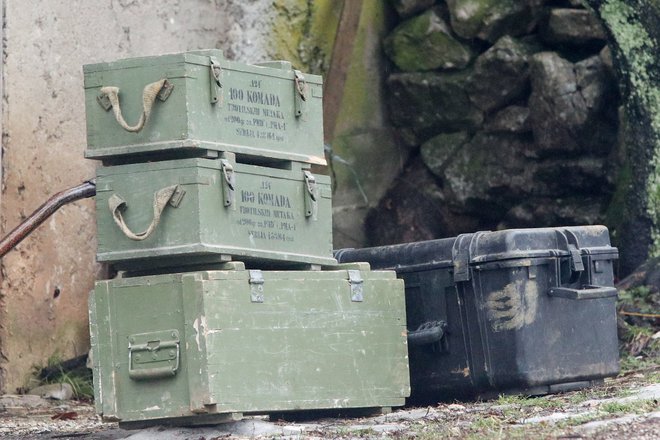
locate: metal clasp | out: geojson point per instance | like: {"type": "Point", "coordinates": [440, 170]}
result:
{"type": "Point", "coordinates": [256, 281]}
{"type": "Point", "coordinates": [228, 182]}
{"type": "Point", "coordinates": [165, 91]}
{"type": "Point", "coordinates": [176, 198]}
{"type": "Point", "coordinates": [311, 195]}
{"type": "Point", "coordinates": [300, 92]}
{"type": "Point", "coordinates": [576, 259]}
{"type": "Point", "coordinates": [216, 81]}
{"type": "Point", "coordinates": [356, 282]}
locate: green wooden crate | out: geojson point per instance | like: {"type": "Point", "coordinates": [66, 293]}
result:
{"type": "Point", "coordinates": [198, 101]}
{"type": "Point", "coordinates": [206, 347]}
{"type": "Point", "coordinates": [198, 211]}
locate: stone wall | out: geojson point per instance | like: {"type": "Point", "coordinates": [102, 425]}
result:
{"type": "Point", "coordinates": [510, 111]}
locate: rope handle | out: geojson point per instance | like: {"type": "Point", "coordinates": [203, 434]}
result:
{"type": "Point", "coordinates": [161, 199]}
{"type": "Point", "coordinates": [109, 98]}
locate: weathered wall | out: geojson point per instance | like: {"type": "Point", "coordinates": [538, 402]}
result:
{"type": "Point", "coordinates": [366, 154]}
{"type": "Point", "coordinates": [43, 132]}
{"type": "Point", "coordinates": [45, 281]}
{"type": "Point", "coordinates": [633, 29]}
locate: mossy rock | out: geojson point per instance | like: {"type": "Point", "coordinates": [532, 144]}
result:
{"type": "Point", "coordinates": [490, 19]}
{"type": "Point", "coordinates": [438, 151]}
{"type": "Point", "coordinates": [407, 8]}
{"type": "Point", "coordinates": [425, 43]}
{"type": "Point", "coordinates": [512, 119]}
{"type": "Point", "coordinates": [414, 209]}
{"type": "Point", "coordinates": [432, 103]}
{"type": "Point", "coordinates": [572, 26]}
{"type": "Point", "coordinates": [535, 212]}
{"type": "Point", "coordinates": [501, 74]}
{"type": "Point", "coordinates": [484, 176]}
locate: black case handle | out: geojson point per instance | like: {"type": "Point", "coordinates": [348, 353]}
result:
{"type": "Point", "coordinates": [586, 292]}
{"type": "Point", "coordinates": [427, 333]}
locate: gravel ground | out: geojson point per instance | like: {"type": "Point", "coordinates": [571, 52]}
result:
{"type": "Point", "coordinates": [626, 407]}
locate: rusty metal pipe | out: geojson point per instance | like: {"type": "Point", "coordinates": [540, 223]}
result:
{"type": "Point", "coordinates": [82, 191]}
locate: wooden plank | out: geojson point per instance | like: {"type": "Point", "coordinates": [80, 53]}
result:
{"type": "Point", "coordinates": [342, 51]}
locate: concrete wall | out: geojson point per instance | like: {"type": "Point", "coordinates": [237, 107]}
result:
{"type": "Point", "coordinates": [45, 281]}
{"type": "Point", "coordinates": [43, 138]}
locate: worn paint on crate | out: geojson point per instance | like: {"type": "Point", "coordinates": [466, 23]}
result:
{"type": "Point", "coordinates": [513, 306]}
{"type": "Point", "coordinates": [235, 344]}
{"type": "Point", "coordinates": [271, 215]}
{"type": "Point", "coordinates": [264, 110]}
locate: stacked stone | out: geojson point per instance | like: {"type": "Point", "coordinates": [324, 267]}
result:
{"type": "Point", "coordinates": [510, 108]}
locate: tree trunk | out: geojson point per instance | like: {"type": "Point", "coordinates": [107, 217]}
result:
{"type": "Point", "coordinates": [633, 28]}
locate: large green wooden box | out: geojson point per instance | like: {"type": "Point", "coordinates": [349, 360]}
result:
{"type": "Point", "coordinates": [198, 101]}
{"type": "Point", "coordinates": [206, 347]}
{"type": "Point", "coordinates": [198, 211]}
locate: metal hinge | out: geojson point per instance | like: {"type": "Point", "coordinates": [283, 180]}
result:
{"type": "Point", "coordinates": [300, 92]}
{"type": "Point", "coordinates": [216, 81]}
{"type": "Point", "coordinates": [228, 182]}
{"type": "Point", "coordinates": [256, 286]}
{"type": "Point", "coordinates": [356, 283]}
{"type": "Point", "coordinates": [311, 195]}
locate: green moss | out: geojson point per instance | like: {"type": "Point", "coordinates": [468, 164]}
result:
{"type": "Point", "coordinates": [614, 216]}
{"type": "Point", "coordinates": [304, 31]}
{"type": "Point", "coordinates": [362, 97]}
{"type": "Point", "coordinates": [640, 52]}
{"type": "Point", "coordinates": [425, 43]}
{"type": "Point", "coordinates": [468, 15]}
{"type": "Point", "coordinates": [438, 151]}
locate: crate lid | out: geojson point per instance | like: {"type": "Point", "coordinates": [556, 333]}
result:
{"type": "Point", "coordinates": [406, 257]}
{"type": "Point", "coordinates": [538, 242]}
{"type": "Point", "coordinates": [486, 246]}
{"type": "Point", "coordinates": [278, 69]}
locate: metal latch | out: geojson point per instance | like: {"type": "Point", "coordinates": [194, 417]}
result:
{"type": "Point", "coordinates": [356, 283]}
{"type": "Point", "coordinates": [216, 80]}
{"type": "Point", "coordinates": [228, 182]}
{"type": "Point", "coordinates": [576, 259]}
{"type": "Point", "coordinates": [311, 195]}
{"type": "Point", "coordinates": [153, 355]}
{"type": "Point", "coordinates": [176, 198]}
{"type": "Point", "coordinates": [461, 257]}
{"type": "Point", "coordinates": [165, 91]}
{"type": "Point", "coordinates": [300, 92]}
{"type": "Point", "coordinates": [256, 281]}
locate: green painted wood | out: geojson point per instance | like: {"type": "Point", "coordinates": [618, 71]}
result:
{"type": "Point", "coordinates": [307, 346]}
{"type": "Point", "coordinates": [266, 222]}
{"type": "Point", "coordinates": [255, 112]}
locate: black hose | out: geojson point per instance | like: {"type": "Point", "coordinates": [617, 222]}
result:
{"type": "Point", "coordinates": [41, 214]}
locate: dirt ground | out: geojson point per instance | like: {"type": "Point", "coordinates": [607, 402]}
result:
{"type": "Point", "coordinates": [625, 407]}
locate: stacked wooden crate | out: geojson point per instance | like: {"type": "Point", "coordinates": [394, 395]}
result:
{"type": "Point", "coordinates": [228, 300]}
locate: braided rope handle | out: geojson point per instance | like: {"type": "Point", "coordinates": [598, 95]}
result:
{"type": "Point", "coordinates": [161, 199]}
{"type": "Point", "coordinates": [149, 95]}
